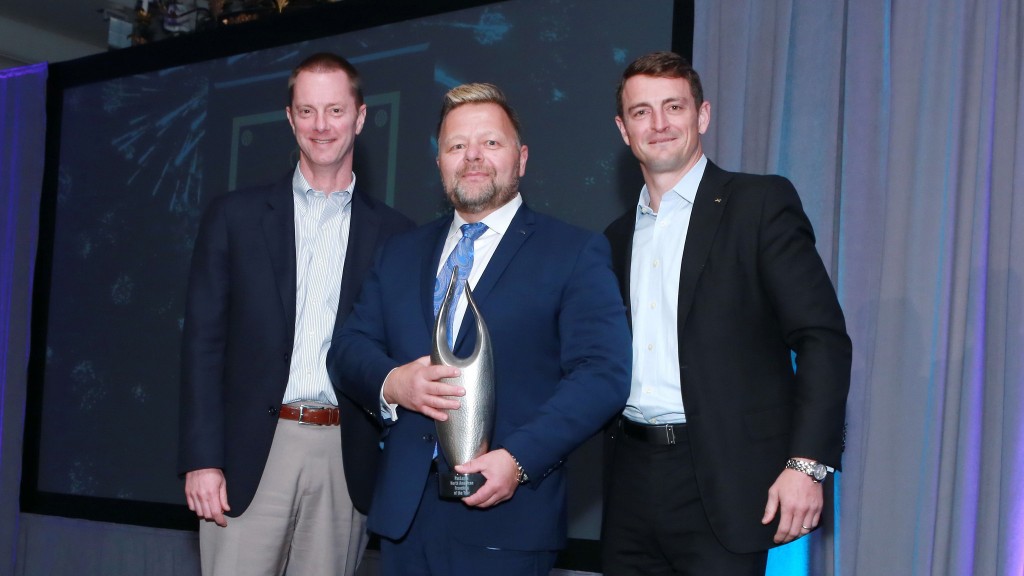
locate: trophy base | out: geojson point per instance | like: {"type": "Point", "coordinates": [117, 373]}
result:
{"type": "Point", "coordinates": [454, 485]}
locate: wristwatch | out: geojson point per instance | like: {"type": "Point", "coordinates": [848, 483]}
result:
{"type": "Point", "coordinates": [816, 470]}
{"type": "Point", "coordinates": [521, 476]}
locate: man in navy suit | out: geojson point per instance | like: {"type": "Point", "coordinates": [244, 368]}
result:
{"type": "Point", "coordinates": [561, 359]}
{"type": "Point", "coordinates": [722, 448]}
{"type": "Point", "coordinates": [275, 270]}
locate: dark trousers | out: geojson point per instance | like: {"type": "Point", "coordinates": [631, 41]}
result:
{"type": "Point", "coordinates": [432, 548]}
{"type": "Point", "coordinates": [655, 523]}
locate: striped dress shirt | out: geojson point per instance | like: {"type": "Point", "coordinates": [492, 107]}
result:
{"type": "Point", "coordinates": [321, 239]}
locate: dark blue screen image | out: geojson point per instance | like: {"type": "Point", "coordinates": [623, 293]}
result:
{"type": "Point", "coordinates": [142, 155]}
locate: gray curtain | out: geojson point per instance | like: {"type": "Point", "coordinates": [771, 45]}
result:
{"type": "Point", "coordinates": [22, 128]}
{"type": "Point", "coordinates": [902, 126]}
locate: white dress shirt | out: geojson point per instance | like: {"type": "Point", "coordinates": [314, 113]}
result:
{"type": "Point", "coordinates": [483, 248]}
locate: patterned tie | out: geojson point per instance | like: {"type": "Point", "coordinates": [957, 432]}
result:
{"type": "Point", "coordinates": [461, 257]}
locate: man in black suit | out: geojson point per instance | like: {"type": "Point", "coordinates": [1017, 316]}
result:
{"type": "Point", "coordinates": [724, 443]}
{"type": "Point", "coordinates": [275, 270]}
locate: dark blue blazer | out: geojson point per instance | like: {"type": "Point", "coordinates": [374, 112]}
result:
{"type": "Point", "coordinates": [562, 365]}
{"type": "Point", "coordinates": [239, 331]}
{"type": "Point", "coordinates": [752, 292]}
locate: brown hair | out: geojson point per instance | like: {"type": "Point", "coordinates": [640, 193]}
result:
{"type": "Point", "coordinates": [661, 65]}
{"type": "Point", "coordinates": [323, 62]}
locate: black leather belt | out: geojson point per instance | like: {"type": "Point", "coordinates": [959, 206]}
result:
{"type": "Point", "coordinates": [657, 434]}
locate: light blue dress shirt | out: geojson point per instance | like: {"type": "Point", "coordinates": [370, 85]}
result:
{"type": "Point", "coordinates": [658, 242]}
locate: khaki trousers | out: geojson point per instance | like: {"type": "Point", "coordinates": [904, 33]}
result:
{"type": "Point", "coordinates": [301, 520]}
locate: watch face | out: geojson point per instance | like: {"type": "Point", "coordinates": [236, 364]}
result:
{"type": "Point", "coordinates": [819, 471]}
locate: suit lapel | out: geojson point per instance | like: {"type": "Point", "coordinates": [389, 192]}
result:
{"type": "Point", "coordinates": [521, 228]}
{"type": "Point", "coordinates": [279, 235]}
{"type": "Point", "coordinates": [364, 225]}
{"type": "Point", "coordinates": [708, 207]}
{"type": "Point", "coordinates": [620, 237]}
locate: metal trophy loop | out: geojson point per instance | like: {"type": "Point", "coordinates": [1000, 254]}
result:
{"type": "Point", "coordinates": [467, 432]}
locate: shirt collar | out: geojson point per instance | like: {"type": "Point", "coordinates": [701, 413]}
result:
{"type": "Point", "coordinates": [498, 221]}
{"type": "Point", "coordinates": [301, 189]}
{"type": "Point", "coordinates": [686, 188]}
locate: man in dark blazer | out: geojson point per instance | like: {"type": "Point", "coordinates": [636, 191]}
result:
{"type": "Point", "coordinates": [275, 270]}
{"type": "Point", "coordinates": [561, 359]}
{"type": "Point", "coordinates": [721, 451]}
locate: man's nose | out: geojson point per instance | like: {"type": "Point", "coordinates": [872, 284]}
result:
{"type": "Point", "coordinates": [473, 152]}
{"type": "Point", "coordinates": [659, 120]}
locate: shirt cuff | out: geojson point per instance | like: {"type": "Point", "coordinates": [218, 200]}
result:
{"type": "Point", "coordinates": [388, 411]}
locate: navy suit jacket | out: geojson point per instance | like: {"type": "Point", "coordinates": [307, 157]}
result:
{"type": "Point", "coordinates": [752, 292]}
{"type": "Point", "coordinates": [562, 362]}
{"type": "Point", "coordinates": [239, 332]}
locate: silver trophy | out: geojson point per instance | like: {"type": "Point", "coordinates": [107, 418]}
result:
{"type": "Point", "coordinates": [467, 432]}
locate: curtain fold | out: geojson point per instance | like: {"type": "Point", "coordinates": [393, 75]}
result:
{"type": "Point", "coordinates": [22, 122]}
{"type": "Point", "coordinates": [902, 126]}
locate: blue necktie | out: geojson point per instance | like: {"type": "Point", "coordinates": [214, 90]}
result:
{"type": "Point", "coordinates": [461, 257]}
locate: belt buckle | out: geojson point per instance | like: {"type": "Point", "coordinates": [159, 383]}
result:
{"type": "Point", "coordinates": [302, 414]}
{"type": "Point", "coordinates": [670, 434]}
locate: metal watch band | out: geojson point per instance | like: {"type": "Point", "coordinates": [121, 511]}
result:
{"type": "Point", "coordinates": [521, 476]}
{"type": "Point", "coordinates": [816, 471]}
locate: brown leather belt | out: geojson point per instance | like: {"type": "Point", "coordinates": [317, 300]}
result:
{"type": "Point", "coordinates": [311, 414]}
{"type": "Point", "coordinates": [659, 435]}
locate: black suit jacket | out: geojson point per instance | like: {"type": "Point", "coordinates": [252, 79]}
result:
{"type": "Point", "coordinates": [752, 293]}
{"type": "Point", "coordinates": [239, 332]}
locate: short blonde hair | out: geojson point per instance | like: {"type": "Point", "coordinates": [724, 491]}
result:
{"type": "Point", "coordinates": [479, 93]}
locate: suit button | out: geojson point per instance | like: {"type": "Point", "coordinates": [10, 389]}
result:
{"type": "Point", "coordinates": [428, 437]}
{"type": "Point", "coordinates": [272, 410]}
{"type": "Point", "coordinates": [288, 357]}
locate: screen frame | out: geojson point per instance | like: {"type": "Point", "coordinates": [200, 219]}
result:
{"type": "Point", "coordinates": [315, 22]}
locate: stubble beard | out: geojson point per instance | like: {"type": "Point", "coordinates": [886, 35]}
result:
{"type": "Point", "coordinates": [489, 197]}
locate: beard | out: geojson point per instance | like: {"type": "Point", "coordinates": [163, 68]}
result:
{"type": "Point", "coordinates": [488, 196]}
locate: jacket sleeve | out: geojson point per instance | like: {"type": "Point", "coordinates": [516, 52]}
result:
{"type": "Point", "coordinates": [595, 360]}
{"type": "Point", "coordinates": [812, 322]}
{"type": "Point", "coordinates": [201, 426]}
